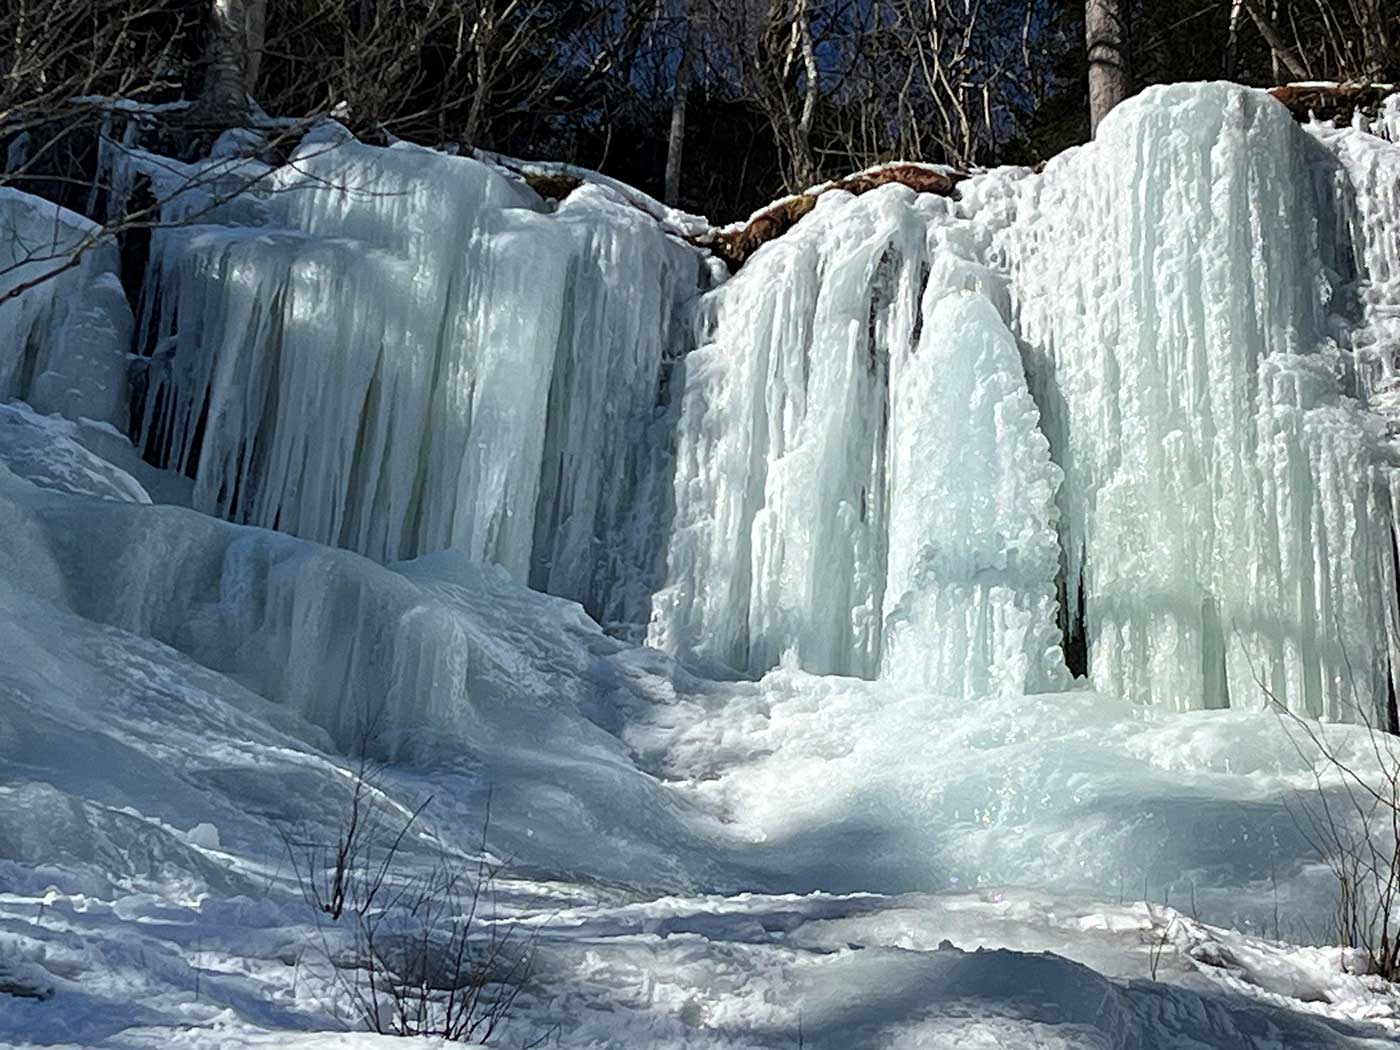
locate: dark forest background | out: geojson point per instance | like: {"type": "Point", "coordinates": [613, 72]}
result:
{"type": "Point", "coordinates": [715, 105]}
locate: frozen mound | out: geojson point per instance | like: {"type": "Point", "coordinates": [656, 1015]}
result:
{"type": "Point", "coordinates": [608, 757]}
{"type": "Point", "coordinates": [65, 326]}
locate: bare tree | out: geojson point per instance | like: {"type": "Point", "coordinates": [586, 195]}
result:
{"type": "Point", "coordinates": [944, 82]}
{"type": "Point", "coordinates": [427, 954]}
{"type": "Point", "coordinates": [1105, 37]}
{"type": "Point", "coordinates": [767, 51]}
{"type": "Point", "coordinates": [1282, 53]}
{"type": "Point", "coordinates": [59, 59]}
{"type": "Point", "coordinates": [675, 140]}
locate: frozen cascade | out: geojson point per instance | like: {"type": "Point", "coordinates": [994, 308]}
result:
{"type": "Point", "coordinates": [63, 341]}
{"type": "Point", "coordinates": [860, 477]}
{"type": "Point", "coordinates": [1173, 282]}
{"type": "Point", "coordinates": [1203, 305]}
{"type": "Point", "coordinates": [405, 353]}
{"type": "Point", "coordinates": [1172, 288]}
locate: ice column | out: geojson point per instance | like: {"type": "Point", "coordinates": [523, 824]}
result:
{"type": "Point", "coordinates": [1220, 492]}
{"type": "Point", "coordinates": [973, 553]}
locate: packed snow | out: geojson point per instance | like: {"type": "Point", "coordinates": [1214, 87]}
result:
{"type": "Point", "coordinates": [873, 503]}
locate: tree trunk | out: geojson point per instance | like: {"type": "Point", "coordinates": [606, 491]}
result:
{"type": "Point", "coordinates": [232, 56]}
{"type": "Point", "coordinates": [675, 142]}
{"type": "Point", "coordinates": [254, 34]}
{"type": "Point", "coordinates": [1232, 48]}
{"type": "Point", "coordinates": [1278, 47]}
{"type": "Point", "coordinates": [1105, 35]}
{"type": "Point", "coordinates": [1379, 50]}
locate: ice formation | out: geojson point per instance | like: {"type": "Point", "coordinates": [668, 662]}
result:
{"type": "Point", "coordinates": [1134, 410]}
{"type": "Point", "coordinates": [399, 352]}
{"type": "Point", "coordinates": [1223, 510]}
{"type": "Point", "coordinates": [1175, 291]}
{"type": "Point", "coordinates": [973, 553]}
{"type": "Point", "coordinates": [65, 326]}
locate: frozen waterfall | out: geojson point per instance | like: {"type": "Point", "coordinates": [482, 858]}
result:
{"type": "Point", "coordinates": [64, 329]}
{"type": "Point", "coordinates": [1137, 409]}
{"type": "Point", "coordinates": [402, 353]}
{"type": "Point", "coordinates": [1225, 515]}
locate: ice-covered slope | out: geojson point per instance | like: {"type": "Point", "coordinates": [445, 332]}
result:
{"type": "Point", "coordinates": [155, 746]}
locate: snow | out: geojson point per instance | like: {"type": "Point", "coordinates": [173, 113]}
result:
{"type": "Point", "coordinates": [694, 858]}
{"type": "Point", "coordinates": [849, 794]}
{"type": "Point", "coordinates": [673, 220]}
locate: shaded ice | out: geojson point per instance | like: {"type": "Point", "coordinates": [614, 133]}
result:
{"type": "Point", "coordinates": [65, 325]}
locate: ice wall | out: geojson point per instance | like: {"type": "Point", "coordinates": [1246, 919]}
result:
{"type": "Point", "coordinates": [64, 321]}
{"type": "Point", "coordinates": [1221, 509]}
{"type": "Point", "coordinates": [1175, 290]}
{"type": "Point", "coordinates": [402, 352]}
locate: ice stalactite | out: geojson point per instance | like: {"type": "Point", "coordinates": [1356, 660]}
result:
{"type": "Point", "coordinates": [404, 353]}
{"type": "Point", "coordinates": [1220, 489]}
{"type": "Point", "coordinates": [64, 321]}
{"type": "Point", "coordinates": [602, 504]}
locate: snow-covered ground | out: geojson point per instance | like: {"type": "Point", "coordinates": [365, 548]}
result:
{"type": "Point", "coordinates": [802, 860]}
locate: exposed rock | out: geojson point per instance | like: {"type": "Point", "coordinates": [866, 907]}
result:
{"type": "Point", "coordinates": [736, 243]}
{"type": "Point", "coordinates": [1331, 101]}
{"type": "Point", "coordinates": [552, 185]}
